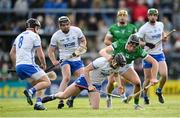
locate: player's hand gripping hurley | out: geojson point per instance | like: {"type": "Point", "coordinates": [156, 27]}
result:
{"type": "Point", "coordinates": [151, 45]}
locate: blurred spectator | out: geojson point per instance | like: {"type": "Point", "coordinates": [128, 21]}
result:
{"type": "Point", "coordinates": [36, 3]}
{"type": "Point", "coordinates": [109, 18]}
{"type": "Point", "coordinates": [49, 4]}
{"type": "Point", "coordinates": [167, 24]}
{"type": "Point", "coordinates": [5, 4]}
{"type": "Point", "coordinates": [21, 7]}
{"type": "Point", "coordinates": [4, 71]}
{"type": "Point", "coordinates": [102, 30]}
{"type": "Point", "coordinates": [140, 21]}
{"type": "Point", "coordinates": [49, 25]}
{"type": "Point", "coordinates": [84, 3]}
{"type": "Point", "coordinates": [72, 4]}
{"type": "Point", "coordinates": [139, 11]}
{"type": "Point", "coordinates": [177, 44]}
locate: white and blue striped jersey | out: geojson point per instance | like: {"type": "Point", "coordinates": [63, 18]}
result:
{"type": "Point", "coordinates": [26, 44]}
{"type": "Point", "coordinates": [67, 43]}
{"type": "Point", "coordinates": [152, 34]}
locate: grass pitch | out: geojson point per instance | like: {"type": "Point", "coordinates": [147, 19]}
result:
{"type": "Point", "coordinates": [19, 108]}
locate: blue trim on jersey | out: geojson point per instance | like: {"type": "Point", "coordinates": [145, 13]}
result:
{"type": "Point", "coordinates": [75, 65]}
{"type": "Point", "coordinates": [158, 57]}
{"type": "Point", "coordinates": [26, 71]}
{"type": "Point", "coordinates": [81, 82]}
{"type": "Point", "coordinates": [53, 45]}
{"type": "Point", "coordinates": [37, 46]}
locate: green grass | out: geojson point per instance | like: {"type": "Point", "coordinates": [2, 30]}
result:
{"type": "Point", "coordinates": [19, 108]}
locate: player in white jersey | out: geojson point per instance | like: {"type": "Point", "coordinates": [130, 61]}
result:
{"type": "Point", "coordinates": [67, 39]}
{"type": "Point", "coordinates": [152, 32]}
{"type": "Point", "coordinates": [95, 73]}
{"type": "Point", "coordinates": [23, 57]}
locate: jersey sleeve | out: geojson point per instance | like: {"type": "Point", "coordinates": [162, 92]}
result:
{"type": "Point", "coordinates": [141, 32]}
{"type": "Point", "coordinates": [99, 62]}
{"type": "Point", "coordinates": [37, 41]}
{"type": "Point", "coordinates": [143, 54]}
{"type": "Point", "coordinates": [53, 42]}
{"type": "Point", "coordinates": [79, 33]}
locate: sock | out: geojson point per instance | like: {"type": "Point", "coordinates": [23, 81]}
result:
{"type": "Point", "coordinates": [38, 100]}
{"type": "Point", "coordinates": [159, 90]}
{"type": "Point", "coordinates": [72, 97]}
{"type": "Point", "coordinates": [32, 90]}
{"type": "Point", "coordinates": [145, 95]}
{"type": "Point", "coordinates": [136, 100]}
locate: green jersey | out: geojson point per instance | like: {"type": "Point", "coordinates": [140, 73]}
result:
{"type": "Point", "coordinates": [121, 32]}
{"type": "Point", "coordinates": [119, 47]}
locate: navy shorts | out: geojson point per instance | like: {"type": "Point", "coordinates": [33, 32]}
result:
{"type": "Point", "coordinates": [75, 65]}
{"type": "Point", "coordinates": [158, 58]}
{"type": "Point", "coordinates": [26, 71]}
{"type": "Point", "coordinates": [82, 83]}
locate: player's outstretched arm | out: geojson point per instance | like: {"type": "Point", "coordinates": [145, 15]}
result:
{"type": "Point", "coordinates": [87, 70]}
{"type": "Point", "coordinates": [105, 52]}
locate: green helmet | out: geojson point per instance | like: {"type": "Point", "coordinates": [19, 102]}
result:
{"type": "Point", "coordinates": [152, 11]}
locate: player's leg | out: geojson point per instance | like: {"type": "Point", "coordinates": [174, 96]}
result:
{"type": "Point", "coordinates": [39, 105]}
{"type": "Point", "coordinates": [147, 76]}
{"type": "Point", "coordinates": [122, 90]}
{"type": "Point", "coordinates": [133, 77]}
{"type": "Point", "coordinates": [109, 89]}
{"type": "Point", "coordinates": [77, 68]}
{"type": "Point", "coordinates": [69, 91]}
{"type": "Point", "coordinates": [94, 99]}
{"type": "Point", "coordinates": [66, 74]}
{"type": "Point", "coordinates": [163, 71]}
{"type": "Point", "coordinates": [37, 77]}
{"type": "Point", "coordinates": [40, 92]}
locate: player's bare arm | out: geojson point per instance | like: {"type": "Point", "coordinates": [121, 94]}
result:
{"type": "Point", "coordinates": [105, 52]}
{"type": "Point", "coordinates": [13, 55]}
{"type": "Point", "coordinates": [51, 54]}
{"type": "Point", "coordinates": [41, 57]}
{"type": "Point", "coordinates": [108, 40]}
{"type": "Point", "coordinates": [87, 70]}
{"type": "Point", "coordinates": [83, 42]}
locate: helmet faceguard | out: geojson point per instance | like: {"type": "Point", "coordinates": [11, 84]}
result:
{"type": "Point", "coordinates": [133, 39]}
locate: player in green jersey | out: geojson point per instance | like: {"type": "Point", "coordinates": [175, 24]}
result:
{"type": "Point", "coordinates": [121, 32]}
{"type": "Point", "coordinates": [132, 51]}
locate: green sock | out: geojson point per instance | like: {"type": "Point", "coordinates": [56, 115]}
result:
{"type": "Point", "coordinates": [136, 100]}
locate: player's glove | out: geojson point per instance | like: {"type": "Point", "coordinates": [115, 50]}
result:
{"type": "Point", "coordinates": [150, 45]}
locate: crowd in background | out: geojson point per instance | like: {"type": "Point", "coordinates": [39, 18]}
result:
{"type": "Point", "coordinates": [92, 18]}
